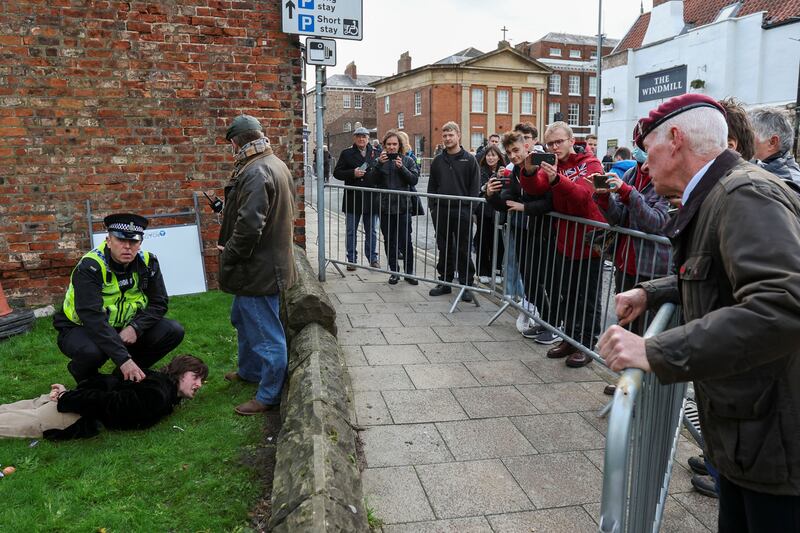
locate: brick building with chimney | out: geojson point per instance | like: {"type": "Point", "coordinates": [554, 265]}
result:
{"type": "Point", "coordinates": [484, 93]}
{"type": "Point", "coordinates": [572, 87]}
{"type": "Point", "coordinates": [124, 105]}
{"type": "Point", "coordinates": [349, 99]}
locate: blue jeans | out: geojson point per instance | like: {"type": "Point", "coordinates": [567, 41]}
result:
{"type": "Point", "coordinates": [371, 225]}
{"type": "Point", "coordinates": [262, 344]}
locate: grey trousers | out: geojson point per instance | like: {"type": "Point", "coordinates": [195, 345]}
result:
{"type": "Point", "coordinates": [30, 418]}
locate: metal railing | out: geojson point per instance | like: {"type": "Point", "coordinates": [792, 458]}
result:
{"type": "Point", "coordinates": [641, 441]}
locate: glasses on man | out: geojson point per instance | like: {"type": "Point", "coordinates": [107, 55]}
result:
{"type": "Point", "coordinates": [555, 144]}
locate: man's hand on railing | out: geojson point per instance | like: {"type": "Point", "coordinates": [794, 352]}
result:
{"type": "Point", "coordinates": [630, 305]}
{"type": "Point", "coordinates": [622, 349]}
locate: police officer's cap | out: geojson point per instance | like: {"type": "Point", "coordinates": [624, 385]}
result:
{"type": "Point", "coordinates": [241, 124]}
{"type": "Point", "coordinates": [126, 226]}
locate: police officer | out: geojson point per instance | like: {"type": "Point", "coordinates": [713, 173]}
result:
{"type": "Point", "coordinates": [115, 305]}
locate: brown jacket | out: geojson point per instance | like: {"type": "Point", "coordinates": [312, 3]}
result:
{"type": "Point", "coordinates": [257, 228]}
{"type": "Point", "coordinates": [737, 252]}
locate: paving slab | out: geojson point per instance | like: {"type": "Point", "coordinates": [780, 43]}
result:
{"type": "Point", "coordinates": [461, 333]}
{"type": "Point", "coordinates": [388, 308]}
{"type": "Point", "coordinates": [474, 487]}
{"type": "Point", "coordinates": [557, 479]}
{"type": "Point", "coordinates": [370, 408]}
{"type": "Point", "coordinates": [676, 518]}
{"type": "Point", "coordinates": [418, 406]}
{"type": "Point", "coordinates": [440, 376]}
{"type": "Point", "coordinates": [343, 309]}
{"type": "Point", "coordinates": [500, 331]}
{"type": "Point", "coordinates": [506, 350]}
{"type": "Point", "coordinates": [477, 318]}
{"type": "Point", "coordinates": [360, 336]}
{"type": "Point", "coordinates": [597, 457]}
{"type": "Point", "coordinates": [451, 352]}
{"type": "Point", "coordinates": [564, 432]}
{"type": "Point", "coordinates": [354, 356]}
{"type": "Point", "coordinates": [560, 397]}
{"type": "Point", "coordinates": [502, 373]}
{"type": "Point", "coordinates": [600, 424]}
{"type": "Point", "coordinates": [402, 296]}
{"type": "Point", "coordinates": [554, 370]}
{"type": "Point", "coordinates": [564, 520]}
{"type": "Point", "coordinates": [394, 354]}
{"type": "Point", "coordinates": [404, 444]}
{"type": "Point", "coordinates": [476, 524]}
{"type": "Point", "coordinates": [379, 378]}
{"type": "Point", "coordinates": [423, 319]}
{"type": "Point", "coordinates": [705, 509]}
{"type": "Point", "coordinates": [410, 335]}
{"type": "Point", "coordinates": [486, 402]}
{"type": "Point", "coordinates": [396, 494]}
{"type": "Point", "coordinates": [486, 438]}
{"type": "Point", "coordinates": [359, 298]}
{"type": "Point", "coordinates": [374, 320]}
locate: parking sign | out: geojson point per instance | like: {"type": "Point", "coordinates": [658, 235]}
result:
{"type": "Point", "coordinates": [334, 19]}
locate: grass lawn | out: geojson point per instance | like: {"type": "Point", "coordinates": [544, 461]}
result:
{"type": "Point", "coordinates": [195, 478]}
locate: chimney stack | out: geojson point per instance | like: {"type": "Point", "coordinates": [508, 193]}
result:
{"type": "Point", "coordinates": [404, 63]}
{"type": "Point", "coordinates": [350, 70]}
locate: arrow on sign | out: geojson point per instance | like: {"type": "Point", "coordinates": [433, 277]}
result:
{"type": "Point", "coordinates": [290, 6]}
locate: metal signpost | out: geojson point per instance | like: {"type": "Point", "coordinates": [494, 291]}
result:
{"type": "Point", "coordinates": [334, 19]}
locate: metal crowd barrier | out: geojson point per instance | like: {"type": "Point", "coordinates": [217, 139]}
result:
{"type": "Point", "coordinates": [641, 441]}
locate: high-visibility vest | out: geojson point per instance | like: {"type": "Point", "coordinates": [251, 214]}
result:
{"type": "Point", "coordinates": [119, 308]}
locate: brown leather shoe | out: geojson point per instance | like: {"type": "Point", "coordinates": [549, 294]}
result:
{"type": "Point", "coordinates": [351, 268]}
{"type": "Point", "coordinates": [563, 349]}
{"type": "Point", "coordinates": [253, 407]}
{"type": "Point", "coordinates": [578, 359]}
{"type": "Point", "coordinates": [235, 377]}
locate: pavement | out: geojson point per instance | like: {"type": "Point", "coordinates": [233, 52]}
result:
{"type": "Point", "coordinates": [469, 428]}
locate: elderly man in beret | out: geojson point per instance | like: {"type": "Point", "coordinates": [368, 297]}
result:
{"type": "Point", "coordinates": [115, 306]}
{"type": "Point", "coordinates": [736, 241]}
{"type": "Point", "coordinates": [257, 259]}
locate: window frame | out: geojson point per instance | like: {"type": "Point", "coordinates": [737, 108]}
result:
{"type": "Point", "coordinates": [417, 103]}
{"type": "Point", "coordinates": [593, 90]}
{"type": "Point", "coordinates": [472, 144]}
{"type": "Point", "coordinates": [577, 108]}
{"type": "Point", "coordinates": [552, 109]}
{"type": "Point", "coordinates": [387, 104]}
{"type": "Point", "coordinates": [550, 84]}
{"type": "Point", "coordinates": [555, 52]}
{"type": "Point", "coordinates": [577, 87]}
{"type": "Point", "coordinates": [522, 103]}
{"type": "Point", "coordinates": [401, 120]}
{"type": "Point", "coordinates": [473, 92]}
{"type": "Point", "coordinates": [575, 54]}
{"type": "Point", "coordinates": [507, 94]}
{"type": "Point", "coordinates": [358, 101]}
{"type": "Point", "coordinates": [347, 101]}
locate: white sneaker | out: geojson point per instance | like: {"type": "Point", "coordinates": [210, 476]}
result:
{"type": "Point", "coordinates": [485, 279]}
{"type": "Point", "coordinates": [522, 322]}
{"type": "Point", "coordinates": [498, 279]}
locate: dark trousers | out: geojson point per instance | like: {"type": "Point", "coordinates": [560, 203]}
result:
{"type": "Point", "coordinates": [396, 230]}
{"type": "Point", "coordinates": [745, 511]}
{"type": "Point", "coordinates": [579, 306]}
{"type": "Point", "coordinates": [454, 242]}
{"type": "Point", "coordinates": [536, 255]}
{"type": "Point", "coordinates": [148, 349]}
{"type": "Point", "coordinates": [484, 242]}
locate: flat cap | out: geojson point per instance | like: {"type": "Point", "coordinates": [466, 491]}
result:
{"type": "Point", "coordinates": [241, 124]}
{"type": "Point", "coordinates": [361, 131]}
{"type": "Point", "coordinates": [671, 108]}
{"type": "Point", "coordinates": [126, 226]}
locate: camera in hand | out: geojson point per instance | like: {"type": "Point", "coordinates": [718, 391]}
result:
{"type": "Point", "coordinates": [392, 157]}
{"type": "Point", "coordinates": [600, 181]}
{"type": "Point", "coordinates": [537, 158]}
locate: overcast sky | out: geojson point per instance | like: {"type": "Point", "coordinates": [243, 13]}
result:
{"type": "Point", "coordinates": [432, 29]}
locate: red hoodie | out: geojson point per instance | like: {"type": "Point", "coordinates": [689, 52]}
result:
{"type": "Point", "coordinates": [571, 196]}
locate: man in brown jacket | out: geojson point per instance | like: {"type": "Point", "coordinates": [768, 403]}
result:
{"type": "Point", "coordinates": [736, 242]}
{"type": "Point", "coordinates": [257, 260]}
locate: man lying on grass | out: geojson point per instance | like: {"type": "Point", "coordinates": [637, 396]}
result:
{"type": "Point", "coordinates": [106, 399]}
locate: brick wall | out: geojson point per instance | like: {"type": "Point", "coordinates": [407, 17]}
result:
{"type": "Point", "coordinates": [125, 104]}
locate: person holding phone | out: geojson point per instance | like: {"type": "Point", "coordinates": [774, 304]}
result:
{"type": "Point", "coordinates": [491, 163]}
{"type": "Point", "coordinates": [396, 172]}
{"type": "Point", "coordinates": [578, 267]}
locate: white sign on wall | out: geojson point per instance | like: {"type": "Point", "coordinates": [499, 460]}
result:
{"type": "Point", "coordinates": [179, 254]}
{"type": "Point", "coordinates": [337, 19]}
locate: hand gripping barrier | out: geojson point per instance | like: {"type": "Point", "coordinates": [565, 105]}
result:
{"type": "Point", "coordinates": [642, 436]}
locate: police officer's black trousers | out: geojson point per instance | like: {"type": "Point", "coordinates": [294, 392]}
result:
{"type": "Point", "coordinates": [148, 349]}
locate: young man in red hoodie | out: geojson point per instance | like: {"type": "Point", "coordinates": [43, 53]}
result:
{"type": "Point", "coordinates": [578, 267]}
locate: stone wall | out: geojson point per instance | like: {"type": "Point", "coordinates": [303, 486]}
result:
{"type": "Point", "coordinates": [125, 104]}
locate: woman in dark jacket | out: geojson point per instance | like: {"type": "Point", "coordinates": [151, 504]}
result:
{"type": "Point", "coordinates": [491, 164]}
{"type": "Point", "coordinates": [396, 172]}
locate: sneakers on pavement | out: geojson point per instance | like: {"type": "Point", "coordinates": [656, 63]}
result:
{"type": "Point", "coordinates": [546, 337]}
{"type": "Point", "coordinates": [351, 268]}
{"type": "Point", "coordinates": [467, 297]}
{"type": "Point", "coordinates": [440, 290]}
{"type": "Point", "coordinates": [522, 322]}
{"type": "Point", "coordinates": [412, 281]}
{"type": "Point", "coordinates": [393, 279]}
{"type": "Point", "coordinates": [375, 264]}
{"type": "Point", "coordinates": [533, 330]}
{"type": "Point", "coordinates": [485, 279]}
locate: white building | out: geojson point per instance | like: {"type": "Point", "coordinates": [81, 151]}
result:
{"type": "Point", "coordinates": [748, 49]}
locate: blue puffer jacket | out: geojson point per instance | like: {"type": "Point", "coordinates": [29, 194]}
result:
{"type": "Point", "coordinates": [621, 167]}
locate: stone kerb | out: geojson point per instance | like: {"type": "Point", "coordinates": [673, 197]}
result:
{"type": "Point", "coordinates": [317, 485]}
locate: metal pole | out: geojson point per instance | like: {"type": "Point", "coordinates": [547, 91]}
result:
{"type": "Point", "coordinates": [599, 65]}
{"type": "Point", "coordinates": [320, 173]}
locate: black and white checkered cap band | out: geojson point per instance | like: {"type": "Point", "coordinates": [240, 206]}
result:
{"type": "Point", "coordinates": [128, 228]}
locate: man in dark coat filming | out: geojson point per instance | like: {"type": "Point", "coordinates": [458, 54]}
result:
{"type": "Point", "coordinates": [115, 306]}
{"type": "Point", "coordinates": [736, 243]}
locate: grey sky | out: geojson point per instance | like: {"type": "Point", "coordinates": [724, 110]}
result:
{"type": "Point", "coordinates": [432, 29]}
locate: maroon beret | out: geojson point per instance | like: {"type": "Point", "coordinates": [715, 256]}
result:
{"type": "Point", "coordinates": [671, 108]}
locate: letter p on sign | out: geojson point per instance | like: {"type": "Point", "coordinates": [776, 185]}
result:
{"type": "Point", "coordinates": [305, 4]}
{"type": "Point", "coordinates": [305, 23]}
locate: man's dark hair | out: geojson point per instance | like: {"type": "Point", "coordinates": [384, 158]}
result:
{"type": "Point", "coordinates": [739, 128]}
{"type": "Point", "coordinates": [591, 136]}
{"type": "Point", "coordinates": [246, 137]}
{"type": "Point", "coordinates": [512, 137]}
{"type": "Point", "coordinates": [183, 363]}
{"type": "Point", "coordinates": [527, 127]}
{"type": "Point", "coordinates": [494, 135]}
{"type": "Point", "coordinates": [623, 153]}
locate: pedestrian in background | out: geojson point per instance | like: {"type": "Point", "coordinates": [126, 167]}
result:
{"type": "Point", "coordinates": [396, 172]}
{"type": "Point", "coordinates": [491, 165]}
{"type": "Point", "coordinates": [774, 137]}
{"type": "Point", "coordinates": [256, 262]}
{"type": "Point", "coordinates": [358, 206]}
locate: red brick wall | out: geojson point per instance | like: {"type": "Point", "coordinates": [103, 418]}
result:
{"type": "Point", "coordinates": [125, 104]}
